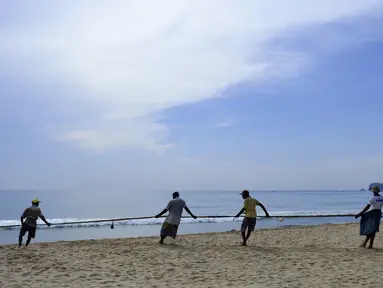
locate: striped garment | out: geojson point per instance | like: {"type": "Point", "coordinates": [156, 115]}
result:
{"type": "Point", "coordinates": [169, 230]}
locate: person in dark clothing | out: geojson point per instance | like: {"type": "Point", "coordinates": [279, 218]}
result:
{"type": "Point", "coordinates": [31, 214]}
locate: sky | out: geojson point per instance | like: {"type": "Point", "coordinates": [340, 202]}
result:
{"type": "Point", "coordinates": [191, 94]}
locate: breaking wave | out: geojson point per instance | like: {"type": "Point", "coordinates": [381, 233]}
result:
{"type": "Point", "coordinates": [75, 222]}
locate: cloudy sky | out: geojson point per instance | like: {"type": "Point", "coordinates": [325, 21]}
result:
{"type": "Point", "coordinates": [213, 94]}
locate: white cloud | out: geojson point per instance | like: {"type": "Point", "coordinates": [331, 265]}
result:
{"type": "Point", "coordinates": [136, 58]}
{"type": "Point", "coordinates": [225, 123]}
{"type": "Point", "coordinates": [112, 134]}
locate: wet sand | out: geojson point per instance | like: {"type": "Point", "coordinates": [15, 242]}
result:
{"type": "Point", "coordinates": [318, 256]}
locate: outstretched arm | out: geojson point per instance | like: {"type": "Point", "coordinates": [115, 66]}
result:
{"type": "Point", "coordinates": [363, 211]}
{"type": "Point", "coordinates": [162, 213]}
{"type": "Point", "coordinates": [264, 209]}
{"type": "Point", "coordinates": [240, 212]}
{"type": "Point", "coordinates": [168, 207]}
{"type": "Point", "coordinates": [45, 220]}
{"type": "Point", "coordinates": [190, 213]}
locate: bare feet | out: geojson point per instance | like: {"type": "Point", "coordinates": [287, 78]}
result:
{"type": "Point", "coordinates": [243, 244]}
{"type": "Point", "coordinates": [370, 247]}
{"type": "Point", "coordinates": [363, 246]}
{"type": "Point", "coordinates": [161, 242]}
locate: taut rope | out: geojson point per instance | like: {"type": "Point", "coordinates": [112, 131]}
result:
{"type": "Point", "coordinates": [150, 217]}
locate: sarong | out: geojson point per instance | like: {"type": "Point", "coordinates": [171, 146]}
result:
{"type": "Point", "coordinates": [370, 222]}
{"type": "Point", "coordinates": [169, 230]}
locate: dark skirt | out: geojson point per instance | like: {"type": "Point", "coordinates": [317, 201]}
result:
{"type": "Point", "coordinates": [370, 222]}
{"type": "Point", "coordinates": [169, 230]}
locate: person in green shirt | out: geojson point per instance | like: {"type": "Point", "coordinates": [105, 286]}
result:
{"type": "Point", "coordinates": [250, 219]}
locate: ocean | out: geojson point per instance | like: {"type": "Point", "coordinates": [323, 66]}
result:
{"type": "Point", "coordinates": [69, 206]}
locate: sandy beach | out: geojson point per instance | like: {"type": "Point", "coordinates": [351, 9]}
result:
{"type": "Point", "coordinates": [318, 256]}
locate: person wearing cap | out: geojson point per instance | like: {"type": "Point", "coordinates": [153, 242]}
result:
{"type": "Point", "coordinates": [370, 221]}
{"type": "Point", "coordinates": [250, 219]}
{"type": "Point", "coordinates": [170, 225]}
{"type": "Point", "coordinates": [31, 214]}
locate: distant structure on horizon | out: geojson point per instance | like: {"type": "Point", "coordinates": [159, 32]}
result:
{"type": "Point", "coordinates": [380, 185]}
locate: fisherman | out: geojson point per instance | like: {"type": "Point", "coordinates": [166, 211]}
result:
{"type": "Point", "coordinates": [370, 221]}
{"type": "Point", "coordinates": [29, 225]}
{"type": "Point", "coordinates": [250, 219]}
{"type": "Point", "coordinates": [175, 208]}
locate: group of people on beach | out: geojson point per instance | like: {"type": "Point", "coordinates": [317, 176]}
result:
{"type": "Point", "coordinates": [175, 207]}
{"type": "Point", "coordinates": [369, 223]}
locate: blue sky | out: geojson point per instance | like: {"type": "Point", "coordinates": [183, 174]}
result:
{"type": "Point", "coordinates": [97, 97]}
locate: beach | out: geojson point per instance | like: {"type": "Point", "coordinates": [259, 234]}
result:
{"type": "Point", "coordinates": [315, 256]}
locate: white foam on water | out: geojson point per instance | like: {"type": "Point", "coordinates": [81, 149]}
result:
{"type": "Point", "coordinates": [60, 223]}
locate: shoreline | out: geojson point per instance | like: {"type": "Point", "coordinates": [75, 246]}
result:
{"type": "Point", "coordinates": [324, 255]}
{"type": "Point", "coordinates": [51, 235]}
{"type": "Point", "coordinates": [181, 235]}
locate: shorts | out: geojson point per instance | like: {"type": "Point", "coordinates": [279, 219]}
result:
{"type": "Point", "coordinates": [248, 223]}
{"type": "Point", "coordinates": [26, 228]}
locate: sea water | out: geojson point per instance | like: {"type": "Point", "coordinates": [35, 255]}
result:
{"type": "Point", "coordinates": [69, 206]}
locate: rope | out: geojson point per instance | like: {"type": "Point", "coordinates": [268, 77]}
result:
{"type": "Point", "coordinates": [203, 217]}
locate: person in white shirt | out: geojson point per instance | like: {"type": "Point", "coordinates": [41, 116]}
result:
{"type": "Point", "coordinates": [175, 208]}
{"type": "Point", "coordinates": [370, 222]}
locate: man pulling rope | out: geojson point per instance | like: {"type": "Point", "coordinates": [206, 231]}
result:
{"type": "Point", "coordinates": [29, 225]}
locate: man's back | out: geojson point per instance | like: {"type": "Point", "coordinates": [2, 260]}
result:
{"type": "Point", "coordinates": [250, 207]}
{"type": "Point", "coordinates": [175, 208]}
{"type": "Point", "coordinates": [32, 214]}
{"type": "Point", "coordinates": [376, 202]}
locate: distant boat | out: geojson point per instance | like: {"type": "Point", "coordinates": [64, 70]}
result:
{"type": "Point", "coordinates": [362, 189]}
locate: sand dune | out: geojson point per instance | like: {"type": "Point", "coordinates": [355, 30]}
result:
{"type": "Point", "coordinates": [321, 256]}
